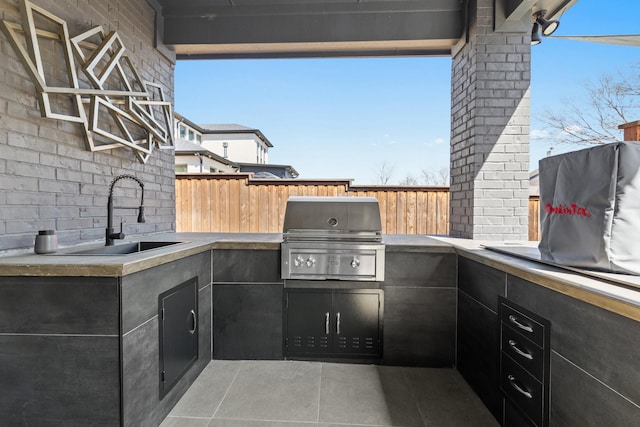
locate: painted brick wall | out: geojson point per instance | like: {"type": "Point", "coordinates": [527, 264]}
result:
{"type": "Point", "coordinates": [48, 180]}
{"type": "Point", "coordinates": [490, 132]}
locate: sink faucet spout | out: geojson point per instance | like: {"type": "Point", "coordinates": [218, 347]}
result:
{"type": "Point", "coordinates": [110, 234]}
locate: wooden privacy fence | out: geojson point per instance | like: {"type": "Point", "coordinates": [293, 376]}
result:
{"type": "Point", "coordinates": [235, 203]}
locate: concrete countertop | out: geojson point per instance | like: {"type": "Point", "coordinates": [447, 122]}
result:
{"type": "Point", "coordinates": [608, 294]}
{"type": "Point", "coordinates": [612, 295]}
{"type": "Point", "coordinates": [60, 264]}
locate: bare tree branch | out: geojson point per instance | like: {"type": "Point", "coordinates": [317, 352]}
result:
{"type": "Point", "coordinates": [612, 100]}
{"type": "Point", "coordinates": [383, 173]}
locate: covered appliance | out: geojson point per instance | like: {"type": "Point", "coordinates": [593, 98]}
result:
{"type": "Point", "coordinates": [590, 208]}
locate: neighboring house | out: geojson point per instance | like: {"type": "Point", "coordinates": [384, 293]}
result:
{"type": "Point", "coordinates": [193, 158]}
{"type": "Point", "coordinates": [269, 171]}
{"type": "Point", "coordinates": [226, 148]}
{"type": "Point", "coordinates": [237, 143]}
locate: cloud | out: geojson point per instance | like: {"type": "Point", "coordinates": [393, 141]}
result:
{"type": "Point", "coordinates": [438, 141]}
{"type": "Point", "coordinates": [572, 130]}
{"type": "Point", "coordinates": [540, 134]}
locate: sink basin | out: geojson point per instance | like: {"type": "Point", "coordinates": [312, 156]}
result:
{"type": "Point", "coordinates": [122, 249]}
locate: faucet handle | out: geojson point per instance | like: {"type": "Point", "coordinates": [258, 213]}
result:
{"type": "Point", "coordinates": [117, 236]}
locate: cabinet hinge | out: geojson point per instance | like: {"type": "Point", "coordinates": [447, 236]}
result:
{"type": "Point", "coordinates": [162, 376]}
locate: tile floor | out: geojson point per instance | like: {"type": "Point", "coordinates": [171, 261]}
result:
{"type": "Point", "coordinates": [317, 394]}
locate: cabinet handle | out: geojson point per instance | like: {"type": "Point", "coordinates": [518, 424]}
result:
{"type": "Point", "coordinates": [195, 322]}
{"type": "Point", "coordinates": [338, 323]}
{"type": "Point", "coordinates": [326, 323]}
{"type": "Point", "coordinates": [523, 353]}
{"type": "Point", "coordinates": [513, 319]}
{"type": "Point", "coordinates": [518, 387]}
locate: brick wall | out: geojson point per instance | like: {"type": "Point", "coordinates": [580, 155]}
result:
{"type": "Point", "coordinates": [490, 132]}
{"type": "Point", "coordinates": [48, 180]}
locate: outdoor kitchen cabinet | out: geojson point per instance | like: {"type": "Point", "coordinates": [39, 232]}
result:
{"type": "Point", "coordinates": [478, 335]}
{"type": "Point", "coordinates": [247, 304]}
{"type": "Point", "coordinates": [524, 364]}
{"type": "Point", "coordinates": [420, 308]}
{"type": "Point", "coordinates": [85, 350]}
{"type": "Point", "coordinates": [333, 323]}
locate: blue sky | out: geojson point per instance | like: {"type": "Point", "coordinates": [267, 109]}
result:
{"type": "Point", "coordinates": [345, 118]}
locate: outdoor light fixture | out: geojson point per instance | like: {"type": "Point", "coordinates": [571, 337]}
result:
{"type": "Point", "coordinates": [548, 27]}
{"type": "Point", "coordinates": [535, 34]}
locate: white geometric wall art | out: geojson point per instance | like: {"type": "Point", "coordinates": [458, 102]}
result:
{"type": "Point", "coordinates": [116, 108]}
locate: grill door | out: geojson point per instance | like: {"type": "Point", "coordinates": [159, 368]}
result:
{"type": "Point", "coordinates": [356, 323]}
{"type": "Point", "coordinates": [336, 323]}
{"type": "Point", "coordinates": [308, 322]}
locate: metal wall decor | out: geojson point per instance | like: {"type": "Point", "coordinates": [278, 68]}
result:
{"type": "Point", "coordinates": [115, 107]}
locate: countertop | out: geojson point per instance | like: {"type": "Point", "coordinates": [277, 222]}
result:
{"type": "Point", "coordinates": [617, 293]}
{"type": "Point", "coordinates": [63, 264]}
{"type": "Point", "coordinates": [620, 296]}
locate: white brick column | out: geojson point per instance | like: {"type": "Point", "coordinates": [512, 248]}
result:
{"type": "Point", "coordinates": [490, 132]}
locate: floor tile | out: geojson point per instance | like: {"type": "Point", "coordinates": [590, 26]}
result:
{"type": "Point", "coordinates": [367, 395]}
{"type": "Point", "coordinates": [273, 391]}
{"type": "Point", "coordinates": [437, 383]}
{"type": "Point", "coordinates": [259, 423]}
{"type": "Point", "coordinates": [185, 422]}
{"type": "Point", "coordinates": [205, 394]}
{"type": "Point", "coordinates": [455, 413]}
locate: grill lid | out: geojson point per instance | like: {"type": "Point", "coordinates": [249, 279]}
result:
{"type": "Point", "coordinates": [358, 217]}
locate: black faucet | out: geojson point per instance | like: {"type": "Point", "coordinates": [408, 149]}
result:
{"type": "Point", "coordinates": [110, 234]}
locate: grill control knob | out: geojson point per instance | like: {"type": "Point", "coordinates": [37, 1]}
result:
{"type": "Point", "coordinates": [311, 262]}
{"type": "Point", "coordinates": [355, 262]}
{"type": "Point", "coordinates": [298, 261]}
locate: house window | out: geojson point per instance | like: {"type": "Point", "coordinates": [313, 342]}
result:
{"type": "Point", "coordinates": [181, 168]}
{"type": "Point", "coordinates": [191, 135]}
{"type": "Point", "coordinates": [225, 145]}
{"type": "Point", "coordinates": [198, 138]}
{"type": "Point", "coordinates": [213, 170]}
{"type": "Point", "coordinates": [183, 131]}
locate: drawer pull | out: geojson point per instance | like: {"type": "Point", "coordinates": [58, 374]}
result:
{"type": "Point", "coordinates": [326, 323]}
{"type": "Point", "coordinates": [194, 319]}
{"type": "Point", "coordinates": [518, 387]}
{"type": "Point", "coordinates": [513, 319]}
{"type": "Point", "coordinates": [523, 353]}
{"type": "Point", "coordinates": [338, 323]}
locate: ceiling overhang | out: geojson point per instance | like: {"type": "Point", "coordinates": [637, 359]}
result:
{"type": "Point", "coordinates": [202, 29]}
{"type": "Point", "coordinates": [311, 28]}
{"type": "Point", "coordinates": [514, 16]}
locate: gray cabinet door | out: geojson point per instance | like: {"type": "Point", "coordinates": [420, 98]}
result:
{"type": "Point", "coordinates": [178, 332]}
{"type": "Point", "coordinates": [309, 323]}
{"type": "Point", "coordinates": [357, 323]}
{"type": "Point", "coordinates": [333, 323]}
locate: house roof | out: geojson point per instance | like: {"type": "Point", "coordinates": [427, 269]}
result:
{"type": "Point", "coordinates": [266, 166]}
{"type": "Point", "coordinates": [184, 147]}
{"type": "Point", "coordinates": [182, 119]}
{"type": "Point", "coordinates": [233, 128]}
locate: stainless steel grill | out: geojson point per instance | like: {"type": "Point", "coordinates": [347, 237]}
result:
{"type": "Point", "coordinates": [332, 238]}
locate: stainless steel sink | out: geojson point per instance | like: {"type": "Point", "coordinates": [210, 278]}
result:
{"type": "Point", "coordinates": [122, 249]}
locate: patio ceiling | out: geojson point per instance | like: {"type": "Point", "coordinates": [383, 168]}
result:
{"type": "Point", "coordinates": [322, 28]}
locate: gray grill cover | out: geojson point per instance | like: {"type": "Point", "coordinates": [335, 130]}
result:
{"type": "Point", "coordinates": [590, 208]}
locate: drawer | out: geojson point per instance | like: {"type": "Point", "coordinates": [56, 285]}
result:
{"type": "Point", "coordinates": [523, 351]}
{"type": "Point", "coordinates": [513, 417]}
{"type": "Point", "coordinates": [522, 323]}
{"type": "Point", "coordinates": [522, 389]}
